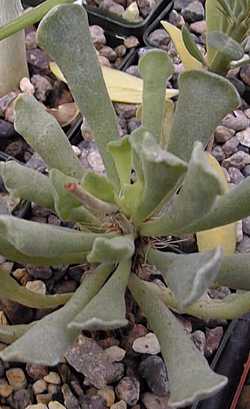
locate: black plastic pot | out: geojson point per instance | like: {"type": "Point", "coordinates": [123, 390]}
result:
{"type": "Point", "coordinates": [119, 26]}
{"type": "Point", "coordinates": [23, 209]}
{"type": "Point", "coordinates": [229, 361]}
{"type": "Point", "coordinates": [31, 3]}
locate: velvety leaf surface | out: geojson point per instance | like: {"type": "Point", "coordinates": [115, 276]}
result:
{"type": "Point", "coordinates": [45, 135]}
{"type": "Point", "coordinates": [121, 153]}
{"type": "Point", "coordinates": [194, 199]}
{"type": "Point", "coordinates": [46, 341]}
{"type": "Point", "coordinates": [205, 98]}
{"type": "Point", "coordinates": [155, 67]}
{"type": "Point", "coordinates": [111, 250]}
{"type": "Point", "coordinates": [66, 25]}
{"type": "Point", "coordinates": [10, 289]}
{"type": "Point", "coordinates": [162, 172]}
{"type": "Point", "coordinates": [107, 310]}
{"type": "Point", "coordinates": [10, 333]}
{"type": "Point", "coordinates": [191, 45]}
{"type": "Point", "coordinates": [99, 186]}
{"type": "Point", "coordinates": [228, 47]}
{"type": "Point", "coordinates": [216, 21]}
{"type": "Point", "coordinates": [189, 277]}
{"type": "Point", "coordinates": [27, 184]}
{"type": "Point", "coordinates": [190, 376]}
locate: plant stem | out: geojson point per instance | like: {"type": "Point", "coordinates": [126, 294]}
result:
{"type": "Point", "coordinates": [29, 18]}
{"type": "Point", "coordinates": [232, 307]}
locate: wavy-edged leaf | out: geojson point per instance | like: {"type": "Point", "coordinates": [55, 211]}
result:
{"type": "Point", "coordinates": [121, 153]}
{"type": "Point", "coordinates": [10, 333]}
{"type": "Point", "coordinates": [216, 21]}
{"type": "Point", "coordinates": [10, 289]}
{"type": "Point", "coordinates": [122, 87]}
{"type": "Point", "coordinates": [82, 72]}
{"type": "Point", "coordinates": [107, 310]}
{"type": "Point", "coordinates": [191, 45]}
{"type": "Point", "coordinates": [43, 241]}
{"type": "Point", "coordinates": [155, 67]}
{"type": "Point", "coordinates": [99, 186]}
{"type": "Point", "coordinates": [234, 271]}
{"type": "Point", "coordinates": [111, 250]}
{"type": "Point", "coordinates": [205, 98]}
{"type": "Point", "coordinates": [26, 183]}
{"type": "Point", "coordinates": [190, 276]}
{"type": "Point", "coordinates": [42, 131]}
{"type": "Point", "coordinates": [189, 62]}
{"type": "Point", "coordinates": [47, 340]}
{"type": "Point", "coordinates": [224, 236]}
{"type": "Point", "coordinates": [195, 199]}
{"type": "Point", "coordinates": [162, 172]}
{"type": "Point", "coordinates": [225, 45]}
{"type": "Point", "coordinates": [190, 376]}
{"type": "Point", "coordinates": [66, 205]}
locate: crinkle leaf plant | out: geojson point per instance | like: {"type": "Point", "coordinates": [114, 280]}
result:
{"type": "Point", "coordinates": [158, 182]}
{"type": "Point", "coordinates": [228, 25]}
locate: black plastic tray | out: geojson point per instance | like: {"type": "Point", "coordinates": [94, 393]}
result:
{"type": "Point", "coordinates": [115, 24]}
{"type": "Point", "coordinates": [229, 361]}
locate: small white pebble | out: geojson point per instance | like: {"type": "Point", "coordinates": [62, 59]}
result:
{"type": "Point", "coordinates": [53, 378]}
{"type": "Point", "coordinates": [56, 405]}
{"type": "Point", "coordinates": [37, 286]}
{"type": "Point", "coordinates": [115, 353]}
{"type": "Point", "coordinates": [76, 150]}
{"type": "Point", "coordinates": [148, 344]}
{"type": "Point", "coordinates": [37, 406]}
{"type": "Point", "coordinates": [39, 386]}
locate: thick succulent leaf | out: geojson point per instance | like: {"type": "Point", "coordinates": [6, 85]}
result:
{"type": "Point", "coordinates": [189, 62]}
{"type": "Point", "coordinates": [197, 196]}
{"type": "Point", "coordinates": [226, 46]}
{"type": "Point", "coordinates": [224, 236]}
{"type": "Point", "coordinates": [167, 123]}
{"type": "Point", "coordinates": [66, 25]}
{"type": "Point", "coordinates": [189, 277]}
{"type": "Point", "coordinates": [10, 333]}
{"type": "Point", "coordinates": [234, 271]}
{"type": "Point", "coordinates": [190, 376]}
{"type": "Point", "coordinates": [121, 153]}
{"type": "Point", "coordinates": [47, 340]}
{"type": "Point", "coordinates": [228, 208]}
{"type": "Point", "coordinates": [122, 87]}
{"type": "Point", "coordinates": [191, 45]}
{"type": "Point", "coordinates": [66, 205]}
{"type": "Point", "coordinates": [216, 21]}
{"type": "Point", "coordinates": [111, 250]}
{"type": "Point", "coordinates": [45, 135]}
{"type": "Point", "coordinates": [205, 98]}
{"type": "Point", "coordinates": [155, 67]}
{"type": "Point", "coordinates": [11, 290]}
{"type": "Point", "coordinates": [162, 172]}
{"type": "Point", "coordinates": [43, 240]}
{"type": "Point", "coordinates": [99, 186]}
{"type": "Point", "coordinates": [107, 310]}
{"type": "Point", "coordinates": [26, 183]}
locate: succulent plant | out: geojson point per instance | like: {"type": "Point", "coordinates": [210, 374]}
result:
{"type": "Point", "coordinates": [158, 182]}
{"type": "Point", "coordinates": [228, 24]}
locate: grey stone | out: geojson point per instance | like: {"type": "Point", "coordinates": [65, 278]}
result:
{"type": "Point", "coordinates": [218, 153]}
{"type": "Point", "coordinates": [160, 39]}
{"type": "Point", "coordinates": [235, 175]}
{"type": "Point", "coordinates": [246, 171]}
{"type": "Point", "coordinates": [246, 225]}
{"type": "Point", "coordinates": [222, 134]}
{"type": "Point", "coordinates": [231, 146]}
{"type": "Point", "coordinates": [180, 4]}
{"type": "Point", "coordinates": [98, 36]}
{"type": "Point", "coordinates": [152, 401]}
{"type": "Point", "coordinates": [153, 370]}
{"type": "Point", "coordinates": [238, 160]}
{"type": "Point", "coordinates": [244, 245]}
{"type": "Point", "coordinates": [236, 120]}
{"type": "Point", "coordinates": [219, 293]}
{"type": "Point", "coordinates": [128, 389]}
{"type": "Point", "coordinates": [245, 74]}
{"type": "Point", "coordinates": [42, 87]}
{"type": "Point", "coordinates": [108, 52]}
{"type": "Point", "coordinates": [88, 358]}
{"type": "Point", "coordinates": [244, 137]}
{"type": "Point", "coordinates": [213, 339]}
{"type": "Point", "coordinates": [199, 339]}
{"type": "Point", "coordinates": [193, 12]}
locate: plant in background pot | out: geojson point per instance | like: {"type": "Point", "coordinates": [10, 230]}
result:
{"type": "Point", "coordinates": [158, 182]}
{"type": "Point", "coordinates": [228, 23]}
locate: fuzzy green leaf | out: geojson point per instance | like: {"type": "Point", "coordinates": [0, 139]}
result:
{"type": "Point", "coordinates": [228, 47]}
{"type": "Point", "coordinates": [47, 340]}
{"type": "Point", "coordinates": [190, 376]}
{"type": "Point", "coordinates": [45, 135]}
{"type": "Point", "coordinates": [162, 172]}
{"type": "Point", "coordinates": [98, 186]}
{"type": "Point", "coordinates": [189, 277]}
{"type": "Point", "coordinates": [121, 153]}
{"type": "Point", "coordinates": [26, 183]}
{"type": "Point", "coordinates": [191, 45]}
{"type": "Point", "coordinates": [195, 199]}
{"type": "Point", "coordinates": [10, 289]}
{"type": "Point", "coordinates": [111, 250]}
{"type": "Point", "coordinates": [205, 98]}
{"type": "Point", "coordinates": [107, 310]}
{"type": "Point", "coordinates": [45, 242]}
{"type": "Point", "coordinates": [66, 25]}
{"type": "Point", "coordinates": [155, 67]}
{"type": "Point", "coordinates": [10, 333]}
